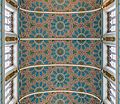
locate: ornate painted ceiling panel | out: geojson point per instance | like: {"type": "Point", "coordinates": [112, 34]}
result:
{"type": "Point", "coordinates": [60, 5]}
{"type": "Point", "coordinates": [47, 52]}
{"type": "Point", "coordinates": [84, 52]}
{"type": "Point", "coordinates": [86, 25]}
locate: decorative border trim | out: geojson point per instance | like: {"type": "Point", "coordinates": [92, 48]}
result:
{"type": "Point", "coordinates": [61, 91]}
{"type": "Point", "coordinates": [61, 65]}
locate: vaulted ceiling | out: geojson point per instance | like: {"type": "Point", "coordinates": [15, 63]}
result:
{"type": "Point", "coordinates": [80, 45]}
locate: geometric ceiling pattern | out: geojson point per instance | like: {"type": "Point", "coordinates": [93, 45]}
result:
{"type": "Point", "coordinates": [48, 52]}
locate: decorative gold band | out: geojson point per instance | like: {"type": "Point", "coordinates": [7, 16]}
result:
{"type": "Point", "coordinates": [9, 39]}
{"type": "Point", "coordinates": [11, 2]}
{"type": "Point", "coordinates": [109, 75]}
{"type": "Point", "coordinates": [107, 3]}
{"type": "Point", "coordinates": [10, 75]}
